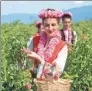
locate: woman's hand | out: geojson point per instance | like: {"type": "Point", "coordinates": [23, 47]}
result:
{"type": "Point", "coordinates": [25, 50]}
{"type": "Point", "coordinates": [33, 55]}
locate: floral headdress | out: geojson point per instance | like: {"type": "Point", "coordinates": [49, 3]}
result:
{"type": "Point", "coordinates": [51, 13]}
{"type": "Point", "coordinates": [38, 23]}
{"type": "Point", "coordinates": [67, 14]}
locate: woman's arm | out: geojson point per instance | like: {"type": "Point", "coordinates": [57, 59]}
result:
{"type": "Point", "coordinates": [61, 58]}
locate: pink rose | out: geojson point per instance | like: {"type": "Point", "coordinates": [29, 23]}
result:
{"type": "Point", "coordinates": [54, 64]}
{"type": "Point", "coordinates": [46, 71]}
{"type": "Point", "coordinates": [56, 76]}
{"type": "Point", "coordinates": [28, 86]}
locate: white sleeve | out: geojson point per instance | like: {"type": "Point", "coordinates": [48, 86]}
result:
{"type": "Point", "coordinates": [61, 58]}
{"type": "Point", "coordinates": [30, 44]}
{"type": "Point", "coordinates": [40, 68]}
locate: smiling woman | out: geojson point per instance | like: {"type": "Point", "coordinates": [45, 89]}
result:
{"type": "Point", "coordinates": [49, 40]}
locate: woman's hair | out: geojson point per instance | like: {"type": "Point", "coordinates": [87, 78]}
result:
{"type": "Point", "coordinates": [38, 24]}
{"type": "Point", "coordinates": [50, 13]}
{"type": "Point", "coordinates": [66, 15]}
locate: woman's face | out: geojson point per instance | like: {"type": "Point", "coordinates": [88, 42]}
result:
{"type": "Point", "coordinates": [66, 23]}
{"type": "Point", "coordinates": [50, 25]}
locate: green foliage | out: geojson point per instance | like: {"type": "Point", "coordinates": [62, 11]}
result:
{"type": "Point", "coordinates": [79, 62]}
{"type": "Point", "coordinates": [14, 36]}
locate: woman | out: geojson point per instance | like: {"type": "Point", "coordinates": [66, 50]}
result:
{"type": "Point", "coordinates": [50, 55]}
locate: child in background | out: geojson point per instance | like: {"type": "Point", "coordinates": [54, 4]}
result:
{"type": "Point", "coordinates": [39, 27]}
{"type": "Point", "coordinates": [67, 34]}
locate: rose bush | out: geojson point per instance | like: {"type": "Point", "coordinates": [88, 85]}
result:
{"type": "Point", "coordinates": [15, 65]}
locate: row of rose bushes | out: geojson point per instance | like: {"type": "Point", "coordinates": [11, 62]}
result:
{"type": "Point", "coordinates": [15, 74]}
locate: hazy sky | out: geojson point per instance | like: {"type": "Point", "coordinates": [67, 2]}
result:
{"type": "Point", "coordinates": [8, 7]}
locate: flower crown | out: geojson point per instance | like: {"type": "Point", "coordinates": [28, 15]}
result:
{"type": "Point", "coordinates": [50, 13]}
{"type": "Point", "coordinates": [38, 23]}
{"type": "Point", "coordinates": [67, 13]}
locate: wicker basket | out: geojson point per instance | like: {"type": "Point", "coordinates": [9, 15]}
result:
{"type": "Point", "coordinates": [60, 85]}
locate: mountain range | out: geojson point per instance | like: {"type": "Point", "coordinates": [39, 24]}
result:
{"type": "Point", "coordinates": [79, 14]}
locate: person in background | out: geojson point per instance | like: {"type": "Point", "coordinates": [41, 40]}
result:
{"type": "Point", "coordinates": [39, 27]}
{"type": "Point", "coordinates": [68, 35]}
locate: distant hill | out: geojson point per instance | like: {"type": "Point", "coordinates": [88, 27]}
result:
{"type": "Point", "coordinates": [24, 17]}
{"type": "Point", "coordinates": [79, 14]}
